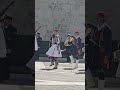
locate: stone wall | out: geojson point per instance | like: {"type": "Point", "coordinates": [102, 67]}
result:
{"type": "Point", "coordinates": [67, 15]}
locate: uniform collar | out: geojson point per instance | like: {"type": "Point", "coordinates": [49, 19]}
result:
{"type": "Point", "coordinates": [77, 37]}
{"type": "Point", "coordinates": [101, 27]}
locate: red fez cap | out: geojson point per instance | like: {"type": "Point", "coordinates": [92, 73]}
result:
{"type": "Point", "coordinates": [56, 29]}
{"type": "Point", "coordinates": [76, 32]}
{"type": "Point", "coordinates": [100, 14]}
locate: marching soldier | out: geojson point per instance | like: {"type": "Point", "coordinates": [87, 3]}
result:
{"type": "Point", "coordinates": [54, 51]}
{"type": "Point", "coordinates": [68, 42]}
{"type": "Point", "coordinates": [78, 48]}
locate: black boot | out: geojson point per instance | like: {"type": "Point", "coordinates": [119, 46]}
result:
{"type": "Point", "coordinates": [52, 62]}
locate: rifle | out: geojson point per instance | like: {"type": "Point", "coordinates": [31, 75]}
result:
{"type": "Point", "coordinates": [37, 29]}
{"type": "Point", "coordinates": [6, 8]}
{"type": "Point", "coordinates": [95, 43]}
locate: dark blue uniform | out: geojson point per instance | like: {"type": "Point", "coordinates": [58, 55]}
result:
{"type": "Point", "coordinates": [103, 47]}
{"type": "Point", "coordinates": [78, 47]}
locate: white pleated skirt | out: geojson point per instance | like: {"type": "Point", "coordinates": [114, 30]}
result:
{"type": "Point", "coordinates": [54, 52]}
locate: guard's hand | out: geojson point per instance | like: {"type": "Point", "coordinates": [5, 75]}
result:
{"type": "Point", "coordinates": [80, 52]}
{"type": "Point", "coordinates": [106, 62]}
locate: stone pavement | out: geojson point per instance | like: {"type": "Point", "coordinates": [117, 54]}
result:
{"type": "Point", "coordinates": [63, 78]}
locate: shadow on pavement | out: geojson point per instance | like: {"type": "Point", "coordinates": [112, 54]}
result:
{"type": "Point", "coordinates": [68, 69]}
{"type": "Point", "coordinates": [48, 69]}
{"type": "Point", "coordinates": [82, 70]}
{"type": "Point", "coordinates": [80, 73]}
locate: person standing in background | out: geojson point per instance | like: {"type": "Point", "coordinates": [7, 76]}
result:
{"type": "Point", "coordinates": [31, 63]}
{"type": "Point", "coordinates": [39, 42]}
{"type": "Point", "coordinates": [10, 33]}
{"type": "Point", "coordinates": [39, 39]}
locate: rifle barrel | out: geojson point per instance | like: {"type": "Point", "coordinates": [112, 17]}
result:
{"type": "Point", "coordinates": [6, 8]}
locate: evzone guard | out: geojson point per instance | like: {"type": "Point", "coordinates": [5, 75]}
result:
{"type": "Point", "coordinates": [76, 50]}
{"type": "Point", "coordinates": [102, 40]}
{"type": "Point", "coordinates": [69, 46]}
{"type": "Point", "coordinates": [54, 51]}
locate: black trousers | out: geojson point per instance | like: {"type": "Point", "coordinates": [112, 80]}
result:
{"type": "Point", "coordinates": [99, 61]}
{"type": "Point", "coordinates": [94, 60]}
{"type": "Point", "coordinates": [68, 53]}
{"type": "Point", "coordinates": [4, 69]}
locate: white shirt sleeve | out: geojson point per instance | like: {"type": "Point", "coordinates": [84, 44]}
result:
{"type": "Point", "coordinates": [36, 44]}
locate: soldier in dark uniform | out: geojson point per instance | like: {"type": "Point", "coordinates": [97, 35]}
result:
{"type": "Point", "coordinates": [10, 33]}
{"type": "Point", "coordinates": [10, 36]}
{"type": "Point", "coordinates": [103, 48]}
{"type": "Point", "coordinates": [78, 48]}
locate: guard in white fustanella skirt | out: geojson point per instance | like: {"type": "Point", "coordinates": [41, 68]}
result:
{"type": "Point", "coordinates": [54, 51]}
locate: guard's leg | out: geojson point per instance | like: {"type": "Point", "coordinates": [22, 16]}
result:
{"type": "Point", "coordinates": [76, 64]}
{"type": "Point", "coordinates": [56, 63]}
{"type": "Point", "coordinates": [71, 59]}
{"type": "Point", "coordinates": [52, 61]}
{"type": "Point", "coordinates": [101, 80]}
